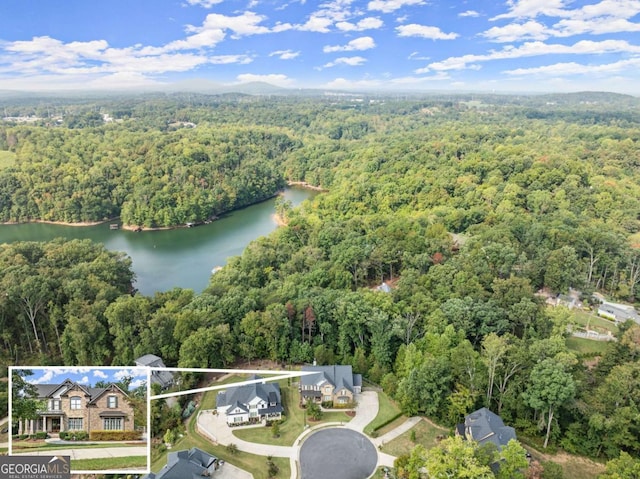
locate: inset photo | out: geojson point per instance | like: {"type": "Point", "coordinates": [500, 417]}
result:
{"type": "Point", "coordinates": [98, 416]}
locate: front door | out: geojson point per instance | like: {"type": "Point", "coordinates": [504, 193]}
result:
{"type": "Point", "coordinates": [55, 424]}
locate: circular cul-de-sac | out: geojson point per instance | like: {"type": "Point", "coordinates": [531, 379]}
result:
{"type": "Point", "coordinates": [338, 454]}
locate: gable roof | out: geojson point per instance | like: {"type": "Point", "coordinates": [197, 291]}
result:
{"type": "Point", "coordinates": [241, 395]}
{"type": "Point", "coordinates": [46, 391]}
{"type": "Point", "coordinates": [340, 377]}
{"type": "Point", "coordinates": [150, 360]}
{"type": "Point", "coordinates": [485, 427]}
{"type": "Point", "coordinates": [185, 465]}
{"type": "Point", "coordinates": [163, 378]}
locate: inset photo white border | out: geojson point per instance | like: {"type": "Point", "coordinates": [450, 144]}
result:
{"type": "Point", "coordinates": [98, 401]}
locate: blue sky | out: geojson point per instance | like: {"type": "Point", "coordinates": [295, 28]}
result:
{"type": "Point", "coordinates": [512, 45]}
{"type": "Point", "coordinates": [88, 376]}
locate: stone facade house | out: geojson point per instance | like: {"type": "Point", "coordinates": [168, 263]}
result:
{"type": "Point", "coordinates": [70, 406]}
{"type": "Point", "coordinates": [330, 383]}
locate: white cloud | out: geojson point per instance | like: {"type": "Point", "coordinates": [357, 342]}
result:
{"type": "Point", "coordinates": [84, 380]}
{"type": "Point", "coordinates": [350, 61]}
{"type": "Point", "coordinates": [274, 79]}
{"type": "Point", "coordinates": [345, 84]}
{"type": "Point", "coordinates": [598, 26]}
{"type": "Point", "coordinates": [607, 8]}
{"type": "Point", "coordinates": [316, 24]}
{"type": "Point", "coordinates": [136, 383]}
{"type": "Point", "coordinates": [285, 54]}
{"type": "Point", "coordinates": [584, 47]}
{"type": "Point", "coordinates": [417, 56]}
{"type": "Point", "coordinates": [413, 80]}
{"type": "Point", "coordinates": [358, 44]}
{"type": "Point", "coordinates": [469, 13]}
{"type": "Point", "coordinates": [424, 31]}
{"type": "Point", "coordinates": [204, 3]}
{"type": "Point", "coordinates": [369, 23]}
{"type": "Point", "coordinates": [572, 68]}
{"type": "Point", "coordinates": [533, 8]}
{"type": "Point", "coordinates": [99, 374]}
{"type": "Point", "coordinates": [230, 59]}
{"type": "Point", "coordinates": [388, 6]}
{"type": "Point", "coordinates": [531, 30]}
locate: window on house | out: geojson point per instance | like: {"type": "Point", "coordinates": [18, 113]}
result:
{"type": "Point", "coordinates": [55, 404]}
{"type": "Point", "coordinates": [112, 423]}
{"type": "Point", "coordinates": [237, 419]}
{"type": "Point", "coordinates": [112, 402]}
{"type": "Point", "coordinates": [75, 424]}
{"type": "Point", "coordinates": [76, 402]}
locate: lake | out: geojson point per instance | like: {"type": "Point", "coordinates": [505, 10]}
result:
{"type": "Point", "coordinates": [182, 257]}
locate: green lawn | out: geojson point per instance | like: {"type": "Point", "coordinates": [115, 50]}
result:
{"type": "Point", "coordinates": [293, 424]}
{"type": "Point", "coordinates": [387, 410]}
{"type": "Point", "coordinates": [586, 346]}
{"type": "Point", "coordinates": [109, 463]}
{"type": "Point", "coordinates": [252, 463]}
{"type": "Point", "coordinates": [425, 434]}
{"type": "Point", "coordinates": [593, 322]}
{"type": "Point", "coordinates": [7, 158]}
{"type": "Point", "coordinates": [41, 445]}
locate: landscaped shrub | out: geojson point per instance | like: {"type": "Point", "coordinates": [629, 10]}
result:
{"type": "Point", "coordinates": [388, 421]}
{"type": "Point", "coordinates": [63, 435]}
{"type": "Point", "coordinates": [115, 435]}
{"type": "Point", "coordinates": [327, 404]}
{"type": "Point", "coordinates": [23, 436]}
{"type": "Point", "coordinates": [40, 435]}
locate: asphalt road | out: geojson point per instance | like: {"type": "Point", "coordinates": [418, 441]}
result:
{"type": "Point", "coordinates": [337, 453]}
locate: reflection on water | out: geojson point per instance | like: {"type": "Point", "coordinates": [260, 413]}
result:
{"type": "Point", "coordinates": [182, 257]}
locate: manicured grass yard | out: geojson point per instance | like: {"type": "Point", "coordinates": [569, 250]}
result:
{"type": "Point", "coordinates": [293, 425]}
{"type": "Point", "coordinates": [586, 346]}
{"type": "Point", "coordinates": [109, 463]}
{"type": "Point", "coordinates": [387, 410]}
{"type": "Point", "coordinates": [593, 322]}
{"type": "Point", "coordinates": [41, 445]}
{"type": "Point", "coordinates": [425, 434]}
{"type": "Point", "coordinates": [256, 465]}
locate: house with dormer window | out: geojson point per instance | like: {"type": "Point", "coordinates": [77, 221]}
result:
{"type": "Point", "coordinates": [70, 406]}
{"type": "Point", "coordinates": [250, 402]}
{"type": "Point", "coordinates": [335, 384]}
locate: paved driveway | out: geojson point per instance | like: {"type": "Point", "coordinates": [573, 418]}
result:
{"type": "Point", "coordinates": [366, 410]}
{"type": "Point", "coordinates": [337, 453]}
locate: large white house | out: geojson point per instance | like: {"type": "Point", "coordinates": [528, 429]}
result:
{"type": "Point", "coordinates": [250, 403]}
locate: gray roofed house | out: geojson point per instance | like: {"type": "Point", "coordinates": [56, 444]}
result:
{"type": "Point", "coordinates": [335, 383]}
{"type": "Point", "coordinates": [251, 402]}
{"type": "Point", "coordinates": [191, 464]}
{"type": "Point", "coordinates": [163, 378]}
{"type": "Point", "coordinates": [484, 426]}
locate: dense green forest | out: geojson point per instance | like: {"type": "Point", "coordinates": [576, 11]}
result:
{"type": "Point", "coordinates": [466, 206]}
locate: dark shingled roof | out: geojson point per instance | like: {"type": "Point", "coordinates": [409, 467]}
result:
{"type": "Point", "coordinates": [485, 426]}
{"type": "Point", "coordinates": [340, 377]}
{"type": "Point", "coordinates": [241, 395]}
{"type": "Point", "coordinates": [186, 465]}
